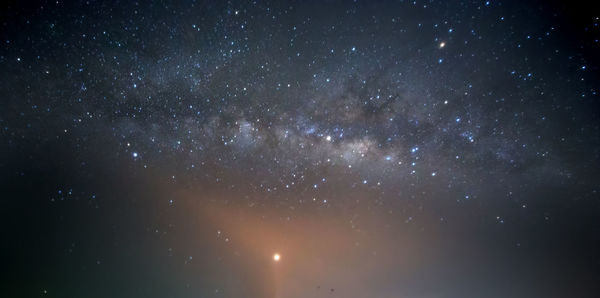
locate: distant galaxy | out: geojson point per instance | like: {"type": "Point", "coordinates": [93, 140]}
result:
{"type": "Point", "coordinates": [294, 149]}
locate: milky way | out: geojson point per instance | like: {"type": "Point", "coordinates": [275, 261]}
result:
{"type": "Point", "coordinates": [380, 148]}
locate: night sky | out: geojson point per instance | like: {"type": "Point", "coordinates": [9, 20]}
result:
{"type": "Point", "coordinates": [302, 149]}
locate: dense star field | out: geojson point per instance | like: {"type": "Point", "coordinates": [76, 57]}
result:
{"type": "Point", "coordinates": [297, 149]}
